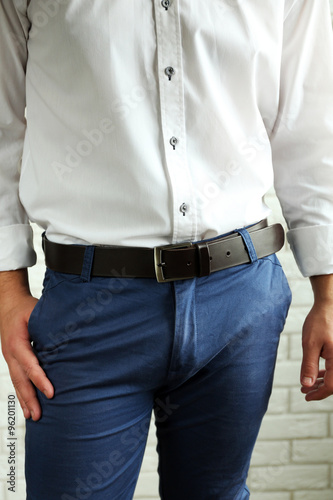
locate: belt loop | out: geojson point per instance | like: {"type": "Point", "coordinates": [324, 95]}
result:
{"type": "Point", "coordinates": [204, 259]}
{"type": "Point", "coordinates": [248, 244]}
{"type": "Point", "coordinates": [87, 263]}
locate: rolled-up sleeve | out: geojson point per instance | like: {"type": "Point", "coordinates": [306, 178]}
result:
{"type": "Point", "coordinates": [16, 247]}
{"type": "Point", "coordinates": [302, 139]}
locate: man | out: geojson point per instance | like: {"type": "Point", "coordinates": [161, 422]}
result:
{"type": "Point", "coordinates": [151, 124]}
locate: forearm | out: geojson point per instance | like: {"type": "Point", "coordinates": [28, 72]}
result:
{"type": "Point", "coordinates": [13, 284]}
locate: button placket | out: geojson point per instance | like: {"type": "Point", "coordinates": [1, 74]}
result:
{"type": "Point", "coordinates": [169, 47]}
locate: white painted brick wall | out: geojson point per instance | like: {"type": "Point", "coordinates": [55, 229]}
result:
{"type": "Point", "coordinates": [276, 495]}
{"type": "Point", "coordinates": [312, 495]}
{"type": "Point", "coordinates": [320, 451]}
{"type": "Point", "coordinates": [293, 456]}
{"type": "Point", "coordinates": [289, 477]}
{"type": "Point", "coordinates": [294, 426]}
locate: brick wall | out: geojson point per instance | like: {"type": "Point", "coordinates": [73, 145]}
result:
{"type": "Point", "coordinates": [293, 458]}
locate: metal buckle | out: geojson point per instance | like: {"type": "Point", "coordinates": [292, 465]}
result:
{"type": "Point", "coordinates": [158, 262]}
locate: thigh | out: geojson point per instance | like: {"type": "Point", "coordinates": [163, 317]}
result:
{"type": "Point", "coordinates": [84, 449]}
{"type": "Point", "coordinates": [105, 352]}
{"type": "Point", "coordinates": [206, 442]}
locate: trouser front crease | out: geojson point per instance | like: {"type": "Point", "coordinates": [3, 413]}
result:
{"type": "Point", "coordinates": [201, 351]}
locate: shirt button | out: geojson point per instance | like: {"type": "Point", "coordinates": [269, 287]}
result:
{"type": "Point", "coordinates": [183, 208]}
{"type": "Point", "coordinates": [173, 142]}
{"type": "Point", "coordinates": [165, 4]}
{"type": "Point", "coordinates": [169, 71]}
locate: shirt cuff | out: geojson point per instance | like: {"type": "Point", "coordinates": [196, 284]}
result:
{"type": "Point", "coordinates": [313, 249]}
{"type": "Point", "coordinates": [16, 247]}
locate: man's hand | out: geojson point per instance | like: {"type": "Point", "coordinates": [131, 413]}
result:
{"type": "Point", "coordinates": [16, 305]}
{"type": "Point", "coordinates": [318, 341]}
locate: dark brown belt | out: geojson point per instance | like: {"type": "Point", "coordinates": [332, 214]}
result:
{"type": "Point", "coordinates": [166, 263]}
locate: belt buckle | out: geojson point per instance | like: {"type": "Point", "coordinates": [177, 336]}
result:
{"type": "Point", "coordinates": [158, 262]}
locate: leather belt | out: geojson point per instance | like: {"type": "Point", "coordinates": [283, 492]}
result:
{"type": "Point", "coordinates": [166, 263]}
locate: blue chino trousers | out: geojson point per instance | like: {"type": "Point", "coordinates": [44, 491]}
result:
{"type": "Point", "coordinates": [200, 353]}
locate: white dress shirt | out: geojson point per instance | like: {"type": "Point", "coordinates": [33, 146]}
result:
{"type": "Point", "coordinates": [151, 122]}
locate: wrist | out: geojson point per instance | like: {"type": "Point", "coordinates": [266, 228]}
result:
{"type": "Point", "coordinates": [322, 286]}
